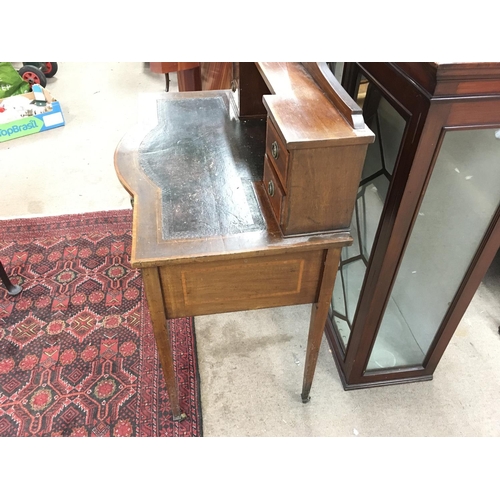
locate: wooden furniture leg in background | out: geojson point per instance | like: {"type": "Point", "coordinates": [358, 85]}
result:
{"type": "Point", "coordinates": [154, 297]}
{"type": "Point", "coordinates": [319, 314]}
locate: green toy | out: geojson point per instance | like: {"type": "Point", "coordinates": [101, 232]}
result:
{"type": "Point", "coordinates": [11, 82]}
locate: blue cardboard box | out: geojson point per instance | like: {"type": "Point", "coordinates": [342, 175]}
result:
{"type": "Point", "coordinates": [48, 115]}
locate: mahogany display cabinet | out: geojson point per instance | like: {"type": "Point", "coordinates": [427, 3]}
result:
{"type": "Point", "coordinates": [426, 222]}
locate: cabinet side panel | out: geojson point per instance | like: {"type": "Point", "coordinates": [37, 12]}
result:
{"type": "Point", "coordinates": [322, 186]}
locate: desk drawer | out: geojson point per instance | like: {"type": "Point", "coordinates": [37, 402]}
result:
{"type": "Point", "coordinates": [277, 153]}
{"type": "Point", "coordinates": [241, 284]}
{"type": "Point", "coordinates": [273, 188]}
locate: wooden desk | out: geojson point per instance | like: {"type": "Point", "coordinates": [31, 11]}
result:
{"type": "Point", "coordinates": [232, 213]}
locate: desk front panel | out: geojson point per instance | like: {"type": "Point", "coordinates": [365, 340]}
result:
{"type": "Point", "coordinates": [241, 284]}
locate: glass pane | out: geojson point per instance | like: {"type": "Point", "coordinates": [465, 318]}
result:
{"type": "Point", "coordinates": [353, 250]}
{"type": "Point", "coordinates": [369, 205]}
{"type": "Point", "coordinates": [337, 68]}
{"type": "Point", "coordinates": [343, 329]}
{"type": "Point", "coordinates": [460, 201]}
{"type": "Point", "coordinates": [391, 133]}
{"type": "Point", "coordinates": [338, 299]}
{"type": "Point", "coordinates": [388, 127]}
{"type": "Point", "coordinates": [353, 274]}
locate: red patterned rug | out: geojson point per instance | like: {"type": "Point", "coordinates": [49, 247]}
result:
{"type": "Point", "coordinates": [77, 351]}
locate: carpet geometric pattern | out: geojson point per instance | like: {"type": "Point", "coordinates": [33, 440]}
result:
{"type": "Point", "coordinates": [77, 351]}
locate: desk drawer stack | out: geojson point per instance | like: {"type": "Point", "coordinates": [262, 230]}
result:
{"type": "Point", "coordinates": [313, 157]}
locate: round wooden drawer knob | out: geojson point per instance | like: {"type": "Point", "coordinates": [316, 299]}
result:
{"type": "Point", "coordinates": [275, 150]}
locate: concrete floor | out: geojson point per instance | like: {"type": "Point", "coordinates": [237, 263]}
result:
{"type": "Point", "coordinates": [251, 363]}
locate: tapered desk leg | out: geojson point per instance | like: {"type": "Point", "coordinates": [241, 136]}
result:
{"type": "Point", "coordinates": [154, 296]}
{"type": "Point", "coordinates": [319, 314]}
